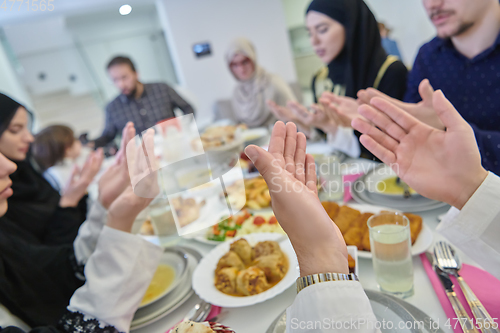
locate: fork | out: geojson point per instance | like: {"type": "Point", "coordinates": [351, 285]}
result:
{"type": "Point", "coordinates": [449, 262]}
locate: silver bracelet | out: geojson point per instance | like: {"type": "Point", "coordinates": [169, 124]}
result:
{"type": "Point", "coordinates": [308, 280]}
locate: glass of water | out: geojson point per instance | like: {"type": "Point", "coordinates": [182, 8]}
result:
{"type": "Point", "coordinates": [330, 178]}
{"type": "Point", "coordinates": [390, 243]}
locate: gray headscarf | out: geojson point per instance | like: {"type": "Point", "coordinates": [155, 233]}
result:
{"type": "Point", "coordinates": [250, 96]}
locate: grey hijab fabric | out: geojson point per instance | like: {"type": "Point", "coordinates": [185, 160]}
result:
{"type": "Point", "coordinates": [250, 96]}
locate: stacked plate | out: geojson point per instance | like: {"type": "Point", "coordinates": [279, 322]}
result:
{"type": "Point", "coordinates": [380, 187]}
{"type": "Point", "coordinates": [388, 309]}
{"type": "Point", "coordinates": [183, 261]}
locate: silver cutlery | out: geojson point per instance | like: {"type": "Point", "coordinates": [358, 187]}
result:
{"type": "Point", "coordinates": [462, 316]}
{"type": "Point", "coordinates": [448, 261]}
{"type": "Point", "coordinates": [199, 312]}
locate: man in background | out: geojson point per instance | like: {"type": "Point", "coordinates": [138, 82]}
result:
{"type": "Point", "coordinates": [464, 62]}
{"type": "Point", "coordinates": [145, 104]}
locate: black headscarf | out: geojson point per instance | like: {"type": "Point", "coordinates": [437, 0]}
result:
{"type": "Point", "coordinates": [363, 55]}
{"type": "Point", "coordinates": [8, 108]}
{"type": "Point", "coordinates": [36, 281]}
{"type": "Point", "coordinates": [34, 201]}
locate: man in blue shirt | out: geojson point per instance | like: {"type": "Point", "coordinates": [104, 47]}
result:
{"type": "Point", "coordinates": [464, 62]}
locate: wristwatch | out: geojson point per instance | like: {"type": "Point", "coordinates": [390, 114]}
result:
{"type": "Point", "coordinates": [308, 280]}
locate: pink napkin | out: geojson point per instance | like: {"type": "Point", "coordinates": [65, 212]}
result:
{"type": "Point", "coordinates": [483, 284]}
{"type": "Point", "coordinates": [214, 312]}
{"type": "Point", "coordinates": [348, 180]}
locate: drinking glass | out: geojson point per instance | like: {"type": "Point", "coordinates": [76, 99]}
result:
{"type": "Point", "coordinates": [163, 222]}
{"type": "Point", "coordinates": [390, 243]}
{"type": "Point", "coordinates": [330, 178]}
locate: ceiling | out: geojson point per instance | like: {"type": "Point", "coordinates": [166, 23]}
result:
{"type": "Point", "coordinates": [63, 8]}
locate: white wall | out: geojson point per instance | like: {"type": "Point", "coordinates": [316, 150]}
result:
{"type": "Point", "coordinates": [218, 22]}
{"type": "Point", "coordinates": [409, 22]}
{"type": "Point", "coordinates": [82, 46]}
{"type": "Point", "coordinates": [9, 81]}
{"type": "Point", "coordinates": [407, 18]}
{"type": "Point", "coordinates": [137, 35]}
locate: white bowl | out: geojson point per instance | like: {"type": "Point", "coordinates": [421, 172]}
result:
{"type": "Point", "coordinates": [179, 262]}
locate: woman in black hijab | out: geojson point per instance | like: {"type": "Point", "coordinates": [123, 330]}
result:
{"type": "Point", "coordinates": [345, 36]}
{"type": "Point", "coordinates": [361, 61]}
{"type": "Point", "coordinates": [43, 216]}
{"type": "Point", "coordinates": [38, 282]}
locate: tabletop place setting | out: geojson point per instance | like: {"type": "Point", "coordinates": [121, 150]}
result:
{"type": "Point", "coordinates": [246, 260]}
{"type": "Point", "coordinates": [262, 166]}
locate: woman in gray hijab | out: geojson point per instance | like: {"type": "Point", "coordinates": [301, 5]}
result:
{"type": "Point", "coordinates": [255, 86]}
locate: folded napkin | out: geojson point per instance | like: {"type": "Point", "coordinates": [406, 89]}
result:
{"type": "Point", "coordinates": [483, 284]}
{"type": "Point", "coordinates": [214, 312]}
{"type": "Point", "coordinates": [348, 180]}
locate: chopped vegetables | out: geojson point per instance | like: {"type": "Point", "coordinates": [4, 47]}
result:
{"type": "Point", "coordinates": [259, 220]}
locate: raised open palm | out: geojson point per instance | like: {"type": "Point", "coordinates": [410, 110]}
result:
{"type": "Point", "coordinates": [441, 165]}
{"type": "Point", "coordinates": [291, 177]}
{"type": "Point", "coordinates": [343, 108]}
{"type": "Point", "coordinates": [423, 110]}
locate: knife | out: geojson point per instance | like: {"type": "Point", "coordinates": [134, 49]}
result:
{"type": "Point", "coordinates": [465, 322]}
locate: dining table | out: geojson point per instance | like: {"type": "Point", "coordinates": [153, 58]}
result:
{"type": "Point", "coordinates": [258, 317]}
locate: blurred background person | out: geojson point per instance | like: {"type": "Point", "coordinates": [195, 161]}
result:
{"type": "Point", "coordinates": [345, 36]}
{"type": "Point", "coordinates": [57, 152]}
{"type": "Point", "coordinates": [145, 104]}
{"type": "Point", "coordinates": [390, 45]}
{"type": "Point", "coordinates": [255, 86]}
{"type": "Point", "coordinates": [38, 207]}
{"type": "Point", "coordinates": [463, 61]}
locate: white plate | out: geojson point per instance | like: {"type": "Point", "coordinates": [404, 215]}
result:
{"type": "Point", "coordinates": [379, 175]}
{"type": "Point", "coordinates": [203, 281]}
{"type": "Point", "coordinates": [253, 135]}
{"type": "Point", "coordinates": [153, 312]}
{"type": "Point", "coordinates": [422, 243]}
{"type": "Point", "coordinates": [414, 205]}
{"type": "Point", "coordinates": [178, 260]}
{"type": "Point", "coordinates": [387, 309]}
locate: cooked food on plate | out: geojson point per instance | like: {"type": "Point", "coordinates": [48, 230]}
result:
{"type": "Point", "coordinates": [257, 193]}
{"type": "Point", "coordinates": [259, 268]}
{"type": "Point", "coordinates": [243, 223]}
{"type": "Point", "coordinates": [162, 279]}
{"type": "Point", "coordinates": [217, 136]}
{"type": "Point", "coordinates": [225, 280]}
{"type": "Point", "coordinates": [187, 210]}
{"type": "Point", "coordinates": [147, 229]}
{"type": "Point", "coordinates": [230, 259]}
{"type": "Point", "coordinates": [352, 263]}
{"type": "Point", "coordinates": [353, 224]}
{"type": "Point", "coordinates": [266, 248]}
{"type": "Point", "coordinates": [243, 250]}
{"type": "Point", "coordinates": [251, 281]}
{"type": "Point", "coordinates": [274, 266]}
{"type": "Point", "coordinates": [205, 327]}
{"type": "Point", "coordinates": [392, 185]}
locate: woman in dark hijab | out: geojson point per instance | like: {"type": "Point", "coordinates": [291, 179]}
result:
{"type": "Point", "coordinates": [43, 215]}
{"type": "Point", "coordinates": [361, 61]}
{"type": "Point", "coordinates": [38, 282]}
{"type": "Point", "coordinates": [345, 36]}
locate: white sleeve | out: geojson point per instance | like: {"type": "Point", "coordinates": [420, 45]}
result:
{"type": "Point", "coordinates": [345, 141]}
{"type": "Point", "coordinates": [118, 274]}
{"type": "Point", "coordinates": [328, 306]}
{"type": "Point", "coordinates": [476, 228]}
{"type": "Point", "coordinates": [86, 240]}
